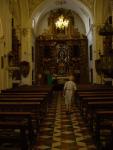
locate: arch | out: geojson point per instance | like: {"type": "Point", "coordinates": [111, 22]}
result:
{"type": "Point", "coordinates": [83, 11]}
{"type": "Point", "coordinates": [75, 5]}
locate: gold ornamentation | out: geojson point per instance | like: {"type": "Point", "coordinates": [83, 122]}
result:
{"type": "Point", "coordinates": [62, 23]}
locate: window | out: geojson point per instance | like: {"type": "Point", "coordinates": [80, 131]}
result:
{"type": "Point", "coordinates": [90, 47]}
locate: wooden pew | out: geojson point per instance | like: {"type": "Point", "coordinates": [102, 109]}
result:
{"type": "Point", "coordinates": [84, 102]}
{"type": "Point", "coordinates": [97, 105]}
{"type": "Point", "coordinates": [92, 107]}
{"type": "Point", "coordinates": [25, 98]}
{"type": "Point", "coordinates": [97, 93]}
{"type": "Point", "coordinates": [47, 92]}
{"type": "Point", "coordinates": [93, 94]}
{"type": "Point", "coordinates": [93, 87]}
{"type": "Point", "coordinates": [26, 93]}
{"type": "Point", "coordinates": [41, 96]}
{"type": "Point", "coordinates": [30, 88]}
{"type": "Point", "coordinates": [21, 121]}
{"type": "Point", "coordinates": [103, 120]}
{"type": "Point", "coordinates": [22, 108]}
{"type": "Point", "coordinates": [17, 104]}
{"type": "Point", "coordinates": [81, 95]}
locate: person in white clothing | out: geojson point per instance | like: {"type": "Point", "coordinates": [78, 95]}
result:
{"type": "Point", "coordinates": [69, 91]}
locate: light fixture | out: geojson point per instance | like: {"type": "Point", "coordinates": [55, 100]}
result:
{"type": "Point", "coordinates": [62, 23]}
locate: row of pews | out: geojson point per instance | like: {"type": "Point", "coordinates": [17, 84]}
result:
{"type": "Point", "coordinates": [96, 107]}
{"type": "Point", "coordinates": [23, 109]}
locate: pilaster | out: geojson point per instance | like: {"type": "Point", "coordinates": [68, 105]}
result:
{"type": "Point", "coordinates": [26, 52]}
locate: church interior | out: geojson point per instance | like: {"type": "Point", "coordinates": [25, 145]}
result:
{"type": "Point", "coordinates": [42, 43]}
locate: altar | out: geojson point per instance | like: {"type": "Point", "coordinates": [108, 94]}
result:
{"type": "Point", "coordinates": [60, 79]}
{"type": "Point", "coordinates": [62, 52]}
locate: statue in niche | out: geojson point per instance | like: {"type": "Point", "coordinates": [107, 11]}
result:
{"type": "Point", "coordinates": [63, 58]}
{"type": "Point", "coordinates": [61, 55]}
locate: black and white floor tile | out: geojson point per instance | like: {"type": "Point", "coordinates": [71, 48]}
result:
{"type": "Point", "coordinates": [62, 131]}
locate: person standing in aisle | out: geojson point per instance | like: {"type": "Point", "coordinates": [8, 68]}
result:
{"type": "Point", "coordinates": [69, 92]}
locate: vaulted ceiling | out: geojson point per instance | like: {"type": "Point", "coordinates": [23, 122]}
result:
{"type": "Point", "coordinates": [78, 6]}
{"type": "Point", "coordinates": [36, 10]}
{"type": "Point", "coordinates": [25, 11]}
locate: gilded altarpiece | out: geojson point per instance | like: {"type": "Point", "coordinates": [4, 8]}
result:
{"type": "Point", "coordinates": [62, 52]}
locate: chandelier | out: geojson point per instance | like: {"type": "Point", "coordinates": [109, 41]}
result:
{"type": "Point", "coordinates": [62, 23]}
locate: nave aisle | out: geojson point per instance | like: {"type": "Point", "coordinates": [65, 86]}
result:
{"type": "Point", "coordinates": [62, 131]}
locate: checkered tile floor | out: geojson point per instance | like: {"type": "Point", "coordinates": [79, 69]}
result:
{"type": "Point", "coordinates": [61, 131]}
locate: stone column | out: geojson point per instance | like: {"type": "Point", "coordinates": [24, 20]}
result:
{"type": "Point", "coordinates": [97, 46]}
{"type": "Point", "coordinates": [26, 52]}
{"type": "Point", "coordinates": [112, 26]}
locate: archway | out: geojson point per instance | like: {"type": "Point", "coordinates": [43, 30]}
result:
{"type": "Point", "coordinates": [78, 7]}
